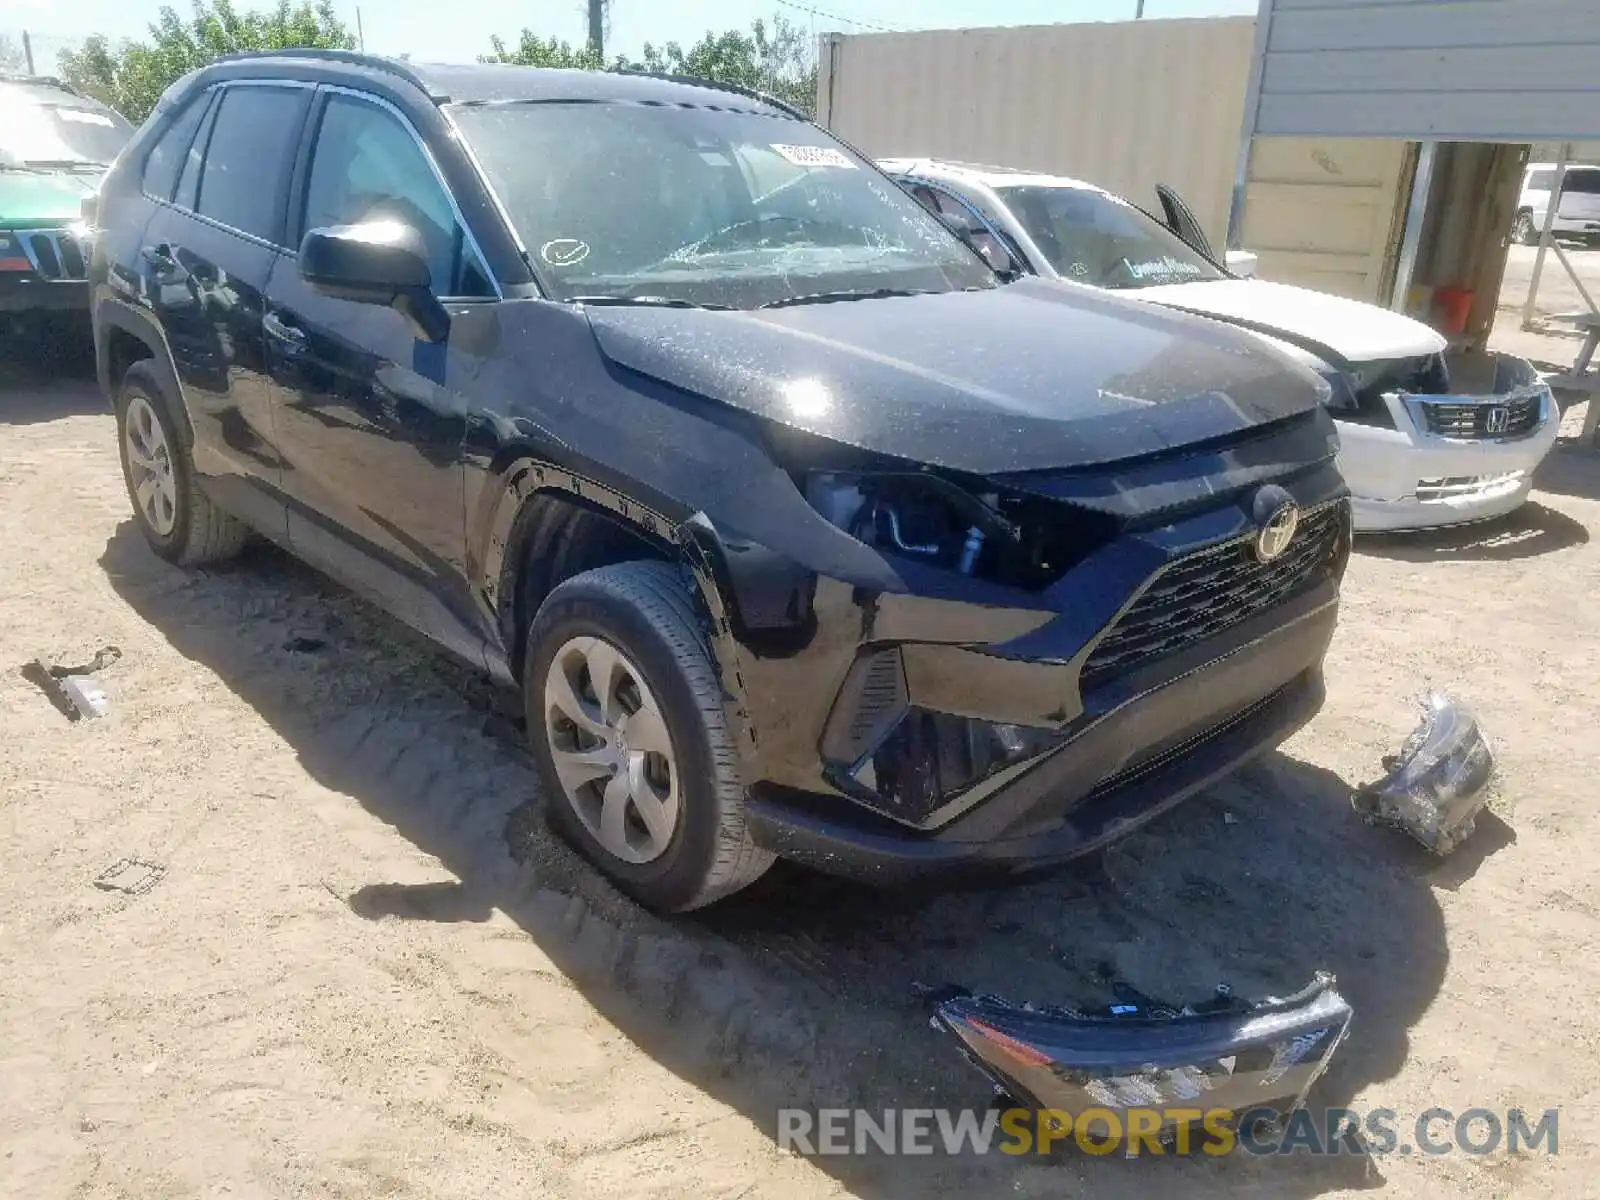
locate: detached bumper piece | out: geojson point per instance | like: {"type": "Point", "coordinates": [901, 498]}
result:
{"type": "Point", "coordinates": [1225, 1053]}
{"type": "Point", "coordinates": [1440, 780]}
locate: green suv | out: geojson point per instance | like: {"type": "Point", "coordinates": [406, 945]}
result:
{"type": "Point", "coordinates": [54, 147]}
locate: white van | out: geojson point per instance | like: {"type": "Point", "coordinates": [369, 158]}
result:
{"type": "Point", "coordinates": [1579, 215]}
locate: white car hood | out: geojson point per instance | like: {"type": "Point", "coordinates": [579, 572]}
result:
{"type": "Point", "coordinates": [1360, 332]}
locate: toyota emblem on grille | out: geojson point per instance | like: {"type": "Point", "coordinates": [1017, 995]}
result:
{"type": "Point", "coordinates": [1279, 517]}
{"type": "Point", "coordinates": [1497, 419]}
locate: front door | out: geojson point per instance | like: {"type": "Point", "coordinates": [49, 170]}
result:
{"type": "Point", "coordinates": [370, 436]}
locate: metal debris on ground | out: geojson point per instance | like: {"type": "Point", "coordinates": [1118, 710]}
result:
{"type": "Point", "coordinates": [1226, 1052]}
{"type": "Point", "coordinates": [73, 690]}
{"type": "Point", "coordinates": [1440, 780]}
{"type": "Point", "coordinates": [130, 876]}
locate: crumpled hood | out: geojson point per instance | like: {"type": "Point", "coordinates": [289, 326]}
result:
{"type": "Point", "coordinates": [1360, 332]}
{"type": "Point", "coordinates": [1029, 376]}
{"type": "Point", "coordinates": [29, 199]}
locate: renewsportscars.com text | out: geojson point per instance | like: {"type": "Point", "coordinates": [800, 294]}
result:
{"type": "Point", "coordinates": [1155, 1131]}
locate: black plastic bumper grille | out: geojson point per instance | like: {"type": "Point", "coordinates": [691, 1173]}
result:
{"type": "Point", "coordinates": [1202, 594]}
{"type": "Point", "coordinates": [1480, 422]}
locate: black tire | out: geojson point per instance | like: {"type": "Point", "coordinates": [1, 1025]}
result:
{"type": "Point", "coordinates": [1523, 231]}
{"type": "Point", "coordinates": [647, 610]}
{"type": "Point", "coordinates": [201, 532]}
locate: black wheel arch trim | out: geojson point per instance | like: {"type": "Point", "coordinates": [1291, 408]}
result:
{"type": "Point", "coordinates": [498, 546]}
{"type": "Point", "coordinates": [111, 313]}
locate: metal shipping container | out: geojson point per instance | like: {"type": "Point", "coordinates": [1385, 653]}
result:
{"type": "Point", "coordinates": [1124, 105]}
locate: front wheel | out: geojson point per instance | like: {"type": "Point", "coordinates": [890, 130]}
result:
{"type": "Point", "coordinates": [628, 734]}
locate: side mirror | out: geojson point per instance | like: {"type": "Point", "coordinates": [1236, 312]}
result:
{"type": "Point", "coordinates": [1242, 263]}
{"type": "Point", "coordinates": [1182, 221]}
{"type": "Point", "coordinates": [376, 262]}
{"type": "Point", "coordinates": [989, 247]}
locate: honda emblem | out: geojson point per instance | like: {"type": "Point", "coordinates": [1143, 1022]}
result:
{"type": "Point", "coordinates": [1497, 419]}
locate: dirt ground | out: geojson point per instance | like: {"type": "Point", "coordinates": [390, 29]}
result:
{"type": "Point", "coordinates": [369, 971]}
{"type": "Point", "coordinates": [1558, 291]}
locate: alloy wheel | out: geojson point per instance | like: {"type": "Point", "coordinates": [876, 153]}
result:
{"type": "Point", "coordinates": [611, 750]}
{"type": "Point", "coordinates": [150, 470]}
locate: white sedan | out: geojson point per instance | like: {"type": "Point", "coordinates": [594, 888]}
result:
{"type": "Point", "coordinates": [1418, 448]}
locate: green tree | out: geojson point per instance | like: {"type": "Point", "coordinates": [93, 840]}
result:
{"type": "Point", "coordinates": [777, 59]}
{"type": "Point", "coordinates": [534, 51]}
{"type": "Point", "coordinates": [774, 57]}
{"type": "Point", "coordinates": [130, 76]}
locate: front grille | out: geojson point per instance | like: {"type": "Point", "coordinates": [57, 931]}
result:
{"type": "Point", "coordinates": [55, 254]}
{"type": "Point", "coordinates": [1480, 421]}
{"type": "Point", "coordinates": [1204, 593]}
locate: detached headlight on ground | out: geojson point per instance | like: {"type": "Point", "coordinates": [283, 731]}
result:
{"type": "Point", "coordinates": [1226, 1053]}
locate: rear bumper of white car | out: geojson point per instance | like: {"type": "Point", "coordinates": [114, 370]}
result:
{"type": "Point", "coordinates": [1411, 477]}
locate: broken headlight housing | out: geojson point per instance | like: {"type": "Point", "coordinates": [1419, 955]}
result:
{"type": "Point", "coordinates": [1440, 780]}
{"type": "Point", "coordinates": [1246, 1057]}
{"type": "Point", "coordinates": [1013, 539]}
{"type": "Point", "coordinates": [909, 762]}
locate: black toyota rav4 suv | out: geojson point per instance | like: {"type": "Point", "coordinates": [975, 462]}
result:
{"type": "Point", "coordinates": [802, 531]}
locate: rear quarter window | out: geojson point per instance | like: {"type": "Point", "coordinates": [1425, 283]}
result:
{"type": "Point", "coordinates": [167, 156]}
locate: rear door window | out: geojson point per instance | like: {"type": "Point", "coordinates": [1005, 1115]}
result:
{"type": "Point", "coordinates": [248, 157]}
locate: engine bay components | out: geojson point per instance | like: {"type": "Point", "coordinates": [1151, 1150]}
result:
{"type": "Point", "coordinates": [1440, 780]}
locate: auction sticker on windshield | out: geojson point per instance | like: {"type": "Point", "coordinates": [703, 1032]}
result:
{"type": "Point", "coordinates": [815, 156]}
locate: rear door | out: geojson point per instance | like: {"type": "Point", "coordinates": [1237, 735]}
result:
{"type": "Point", "coordinates": [206, 258]}
{"type": "Point", "coordinates": [371, 435]}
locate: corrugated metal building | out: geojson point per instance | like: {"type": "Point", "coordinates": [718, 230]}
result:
{"type": "Point", "coordinates": [1125, 105]}
{"type": "Point", "coordinates": [1453, 91]}
{"type": "Point", "coordinates": [1448, 70]}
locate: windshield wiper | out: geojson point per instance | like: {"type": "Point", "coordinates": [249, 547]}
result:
{"type": "Point", "coordinates": [858, 294]}
{"type": "Point", "coordinates": [648, 302]}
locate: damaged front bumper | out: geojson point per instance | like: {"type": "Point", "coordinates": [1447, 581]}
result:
{"type": "Point", "coordinates": [1231, 1054]}
{"type": "Point", "coordinates": [1450, 459]}
{"type": "Point", "coordinates": [985, 730]}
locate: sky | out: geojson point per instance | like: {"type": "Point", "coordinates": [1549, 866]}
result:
{"type": "Point", "coordinates": [459, 30]}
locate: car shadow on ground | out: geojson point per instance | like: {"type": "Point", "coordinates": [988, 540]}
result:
{"type": "Point", "coordinates": [801, 991]}
{"type": "Point", "coordinates": [45, 383]}
{"type": "Point", "coordinates": [1532, 530]}
{"type": "Point", "coordinates": [1571, 469]}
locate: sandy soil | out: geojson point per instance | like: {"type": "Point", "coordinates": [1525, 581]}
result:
{"type": "Point", "coordinates": [368, 970]}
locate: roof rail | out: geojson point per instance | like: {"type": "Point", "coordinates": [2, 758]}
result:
{"type": "Point", "coordinates": [737, 89]}
{"type": "Point", "coordinates": [354, 58]}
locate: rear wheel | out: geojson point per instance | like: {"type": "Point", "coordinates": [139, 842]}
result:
{"type": "Point", "coordinates": [626, 726]}
{"type": "Point", "coordinates": [179, 521]}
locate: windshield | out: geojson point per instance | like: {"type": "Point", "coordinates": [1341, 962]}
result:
{"type": "Point", "coordinates": [1095, 238]}
{"type": "Point", "coordinates": [46, 127]}
{"type": "Point", "coordinates": [700, 206]}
